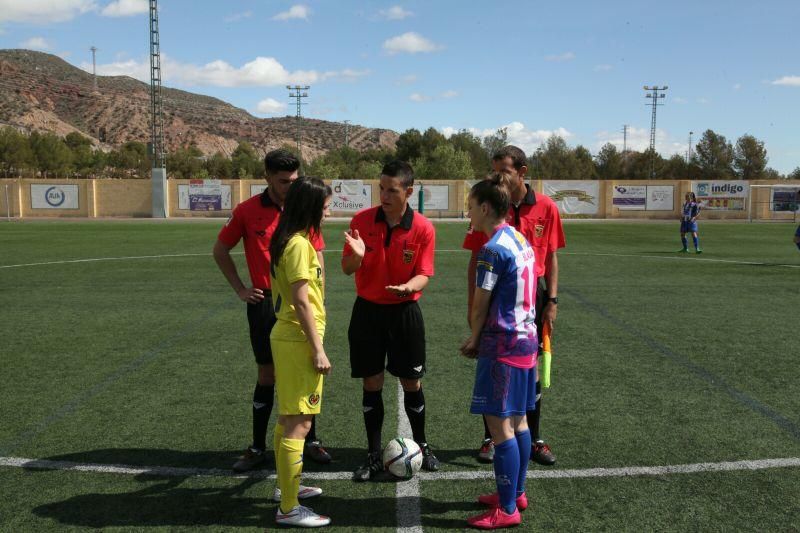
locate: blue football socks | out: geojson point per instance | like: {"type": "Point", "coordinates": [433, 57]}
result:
{"type": "Point", "coordinates": [685, 243]}
{"type": "Point", "coordinates": [506, 472]}
{"type": "Point", "coordinates": [524, 445]}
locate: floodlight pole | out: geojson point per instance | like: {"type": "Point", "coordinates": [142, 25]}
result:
{"type": "Point", "coordinates": [158, 159]}
{"type": "Point", "coordinates": [298, 95]}
{"type": "Point", "coordinates": [347, 133]}
{"type": "Point", "coordinates": [655, 96]}
{"type": "Point", "coordinates": [624, 138]}
{"type": "Point", "coordinates": [94, 68]}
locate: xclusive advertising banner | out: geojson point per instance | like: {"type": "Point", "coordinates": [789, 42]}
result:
{"type": "Point", "coordinates": [54, 196]}
{"type": "Point", "coordinates": [660, 197]}
{"type": "Point", "coordinates": [436, 197]}
{"type": "Point", "coordinates": [574, 197]}
{"type": "Point", "coordinates": [722, 195]}
{"type": "Point", "coordinates": [630, 197]}
{"type": "Point", "coordinates": [204, 195]}
{"type": "Point", "coordinates": [350, 195]}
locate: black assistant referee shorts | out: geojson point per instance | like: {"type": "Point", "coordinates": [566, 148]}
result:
{"type": "Point", "coordinates": [261, 317]}
{"type": "Point", "coordinates": [386, 336]}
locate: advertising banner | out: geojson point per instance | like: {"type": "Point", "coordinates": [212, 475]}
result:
{"type": "Point", "coordinates": [785, 199]}
{"type": "Point", "coordinates": [56, 196]}
{"type": "Point", "coordinates": [204, 195]}
{"type": "Point", "coordinates": [722, 195]}
{"type": "Point", "coordinates": [630, 197]}
{"type": "Point", "coordinates": [574, 197]}
{"type": "Point", "coordinates": [350, 195]}
{"type": "Point", "coordinates": [660, 197]}
{"type": "Point", "coordinates": [435, 197]}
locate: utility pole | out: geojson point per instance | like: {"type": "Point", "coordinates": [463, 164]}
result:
{"type": "Point", "coordinates": [298, 95]}
{"type": "Point", "coordinates": [347, 133]}
{"type": "Point", "coordinates": [689, 151]}
{"type": "Point", "coordinates": [655, 96]}
{"type": "Point", "coordinates": [624, 138]}
{"type": "Point", "coordinates": [94, 68]}
{"type": "Point", "coordinates": [158, 159]}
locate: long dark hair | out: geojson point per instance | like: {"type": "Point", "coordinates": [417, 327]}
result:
{"type": "Point", "coordinates": [302, 211]}
{"type": "Point", "coordinates": [496, 191]}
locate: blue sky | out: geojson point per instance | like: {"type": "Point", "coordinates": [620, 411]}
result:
{"type": "Point", "coordinates": [573, 68]}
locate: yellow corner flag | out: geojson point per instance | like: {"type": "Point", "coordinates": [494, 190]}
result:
{"type": "Point", "coordinates": [546, 357]}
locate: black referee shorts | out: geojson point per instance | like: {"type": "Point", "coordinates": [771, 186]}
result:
{"type": "Point", "coordinates": [390, 337]}
{"type": "Point", "coordinates": [261, 317]}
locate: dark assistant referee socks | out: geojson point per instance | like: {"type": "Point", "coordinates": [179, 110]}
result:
{"type": "Point", "coordinates": [372, 403]}
{"type": "Point", "coordinates": [533, 418]}
{"type": "Point", "coordinates": [414, 402]}
{"type": "Point", "coordinates": [263, 398]}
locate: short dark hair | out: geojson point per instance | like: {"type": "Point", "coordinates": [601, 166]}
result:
{"type": "Point", "coordinates": [281, 160]}
{"type": "Point", "coordinates": [399, 169]}
{"type": "Point", "coordinates": [516, 154]}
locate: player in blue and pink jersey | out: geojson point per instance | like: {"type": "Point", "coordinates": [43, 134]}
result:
{"type": "Point", "coordinates": [689, 214]}
{"type": "Point", "coordinates": [504, 340]}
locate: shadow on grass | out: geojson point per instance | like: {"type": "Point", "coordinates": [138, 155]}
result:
{"type": "Point", "coordinates": [343, 458]}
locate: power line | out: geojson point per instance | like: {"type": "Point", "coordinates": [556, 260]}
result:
{"type": "Point", "coordinates": [654, 96]}
{"type": "Point", "coordinates": [298, 94]}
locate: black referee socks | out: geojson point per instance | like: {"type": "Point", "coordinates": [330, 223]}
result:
{"type": "Point", "coordinates": [372, 403]}
{"type": "Point", "coordinates": [263, 398]}
{"type": "Point", "coordinates": [414, 402]}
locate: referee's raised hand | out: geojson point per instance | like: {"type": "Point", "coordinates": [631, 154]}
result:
{"type": "Point", "coordinates": [355, 242]}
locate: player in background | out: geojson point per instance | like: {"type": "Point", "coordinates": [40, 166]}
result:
{"type": "Point", "coordinates": [504, 340]}
{"type": "Point", "coordinates": [797, 231]}
{"type": "Point", "coordinates": [390, 250]}
{"type": "Point", "coordinates": [689, 215]}
{"type": "Point", "coordinates": [254, 221]}
{"type": "Point", "coordinates": [296, 339]}
{"type": "Point", "coordinates": [536, 217]}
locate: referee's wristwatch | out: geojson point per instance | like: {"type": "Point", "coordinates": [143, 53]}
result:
{"type": "Point", "coordinates": [552, 299]}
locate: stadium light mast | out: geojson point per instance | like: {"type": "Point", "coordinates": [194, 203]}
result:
{"type": "Point", "coordinates": [94, 68]}
{"type": "Point", "coordinates": [689, 151]}
{"type": "Point", "coordinates": [298, 93]}
{"type": "Point", "coordinates": [347, 133]}
{"type": "Point", "coordinates": [159, 171]}
{"type": "Point", "coordinates": [654, 96]}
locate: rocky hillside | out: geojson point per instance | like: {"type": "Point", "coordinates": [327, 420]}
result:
{"type": "Point", "coordinates": [42, 92]}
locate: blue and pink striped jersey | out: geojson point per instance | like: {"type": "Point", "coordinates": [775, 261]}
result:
{"type": "Point", "coordinates": [505, 266]}
{"type": "Point", "coordinates": [690, 210]}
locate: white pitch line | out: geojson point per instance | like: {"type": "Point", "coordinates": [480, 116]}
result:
{"type": "Point", "coordinates": [625, 471]}
{"type": "Point", "coordinates": [409, 512]}
{"type": "Point", "coordinates": [668, 258]}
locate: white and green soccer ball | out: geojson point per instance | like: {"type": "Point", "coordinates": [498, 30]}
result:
{"type": "Point", "coordinates": [402, 458]}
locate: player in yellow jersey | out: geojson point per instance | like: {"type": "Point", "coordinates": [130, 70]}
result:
{"type": "Point", "coordinates": [296, 339]}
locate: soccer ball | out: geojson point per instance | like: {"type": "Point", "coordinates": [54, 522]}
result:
{"type": "Point", "coordinates": [402, 458]}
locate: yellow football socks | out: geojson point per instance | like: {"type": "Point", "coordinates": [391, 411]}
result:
{"type": "Point", "coordinates": [290, 466]}
{"type": "Point", "coordinates": [277, 435]}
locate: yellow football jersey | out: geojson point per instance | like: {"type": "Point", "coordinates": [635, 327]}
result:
{"type": "Point", "coordinates": [299, 261]}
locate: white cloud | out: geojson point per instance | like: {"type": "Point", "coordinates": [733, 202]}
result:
{"type": "Point", "coordinates": [703, 100]}
{"type": "Point", "coordinates": [410, 43]}
{"type": "Point", "coordinates": [126, 8]}
{"type": "Point", "coordinates": [36, 43]}
{"type": "Point", "coordinates": [560, 58]}
{"type": "Point", "coordinates": [236, 17]}
{"type": "Point", "coordinates": [602, 68]}
{"type": "Point", "coordinates": [791, 81]}
{"type": "Point", "coordinates": [260, 72]}
{"type": "Point", "coordinates": [395, 13]}
{"type": "Point", "coordinates": [518, 135]}
{"type": "Point", "coordinates": [417, 97]}
{"type": "Point", "coordinates": [449, 94]}
{"type": "Point", "coordinates": [737, 86]}
{"type": "Point", "coordinates": [270, 106]}
{"type": "Point", "coordinates": [679, 100]}
{"type": "Point", "coordinates": [295, 12]}
{"type": "Point", "coordinates": [407, 79]}
{"type": "Point", "coordinates": [639, 140]}
{"type": "Point", "coordinates": [43, 11]}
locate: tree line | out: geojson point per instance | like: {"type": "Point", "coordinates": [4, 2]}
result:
{"type": "Point", "coordinates": [461, 156]}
